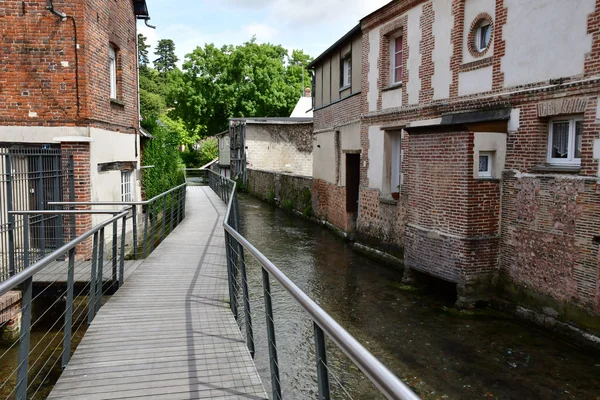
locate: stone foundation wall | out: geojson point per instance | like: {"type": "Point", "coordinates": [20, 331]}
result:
{"type": "Point", "coordinates": [293, 192]}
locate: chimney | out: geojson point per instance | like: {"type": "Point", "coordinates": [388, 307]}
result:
{"type": "Point", "coordinates": [307, 92]}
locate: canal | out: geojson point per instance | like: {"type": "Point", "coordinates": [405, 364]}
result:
{"type": "Point", "coordinates": [439, 352]}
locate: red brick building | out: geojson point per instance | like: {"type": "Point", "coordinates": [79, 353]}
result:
{"type": "Point", "coordinates": [69, 80]}
{"type": "Point", "coordinates": [481, 117]}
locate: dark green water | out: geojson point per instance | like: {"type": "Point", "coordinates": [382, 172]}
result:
{"type": "Point", "coordinates": [438, 352]}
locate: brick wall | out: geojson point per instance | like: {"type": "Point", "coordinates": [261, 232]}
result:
{"type": "Point", "coordinates": [42, 83]}
{"type": "Point", "coordinates": [342, 112]}
{"type": "Point", "coordinates": [329, 204]}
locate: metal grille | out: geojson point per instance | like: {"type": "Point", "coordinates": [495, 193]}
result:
{"type": "Point", "coordinates": [29, 179]}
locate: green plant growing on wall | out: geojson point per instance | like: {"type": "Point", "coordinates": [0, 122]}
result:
{"type": "Point", "coordinates": [163, 154]}
{"type": "Point", "coordinates": [271, 197]}
{"type": "Point", "coordinates": [288, 204]}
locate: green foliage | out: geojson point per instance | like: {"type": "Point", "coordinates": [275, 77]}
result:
{"type": "Point", "coordinates": [167, 60]}
{"type": "Point", "coordinates": [288, 204]}
{"type": "Point", "coordinates": [163, 153]}
{"type": "Point", "coordinates": [143, 51]}
{"type": "Point", "coordinates": [251, 80]}
{"type": "Point", "coordinates": [208, 150]}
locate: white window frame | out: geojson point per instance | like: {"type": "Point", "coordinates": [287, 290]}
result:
{"type": "Point", "coordinates": [570, 160]}
{"type": "Point", "coordinates": [347, 71]}
{"type": "Point", "coordinates": [479, 36]}
{"type": "Point", "coordinates": [393, 66]}
{"type": "Point", "coordinates": [127, 186]}
{"type": "Point", "coordinates": [112, 57]}
{"type": "Point", "coordinates": [489, 172]}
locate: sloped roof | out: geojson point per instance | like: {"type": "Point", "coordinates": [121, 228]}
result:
{"type": "Point", "coordinates": [140, 8]}
{"type": "Point", "coordinates": [303, 109]}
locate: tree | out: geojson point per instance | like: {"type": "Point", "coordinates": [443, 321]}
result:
{"type": "Point", "coordinates": [143, 51]}
{"type": "Point", "coordinates": [167, 60]}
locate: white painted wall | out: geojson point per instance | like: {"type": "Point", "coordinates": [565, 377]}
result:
{"type": "Point", "coordinates": [597, 152]}
{"type": "Point", "coordinates": [376, 152]}
{"type": "Point", "coordinates": [545, 39]}
{"type": "Point", "coordinates": [107, 147]}
{"type": "Point", "coordinates": [391, 98]}
{"type": "Point", "coordinates": [490, 142]}
{"type": "Point", "coordinates": [324, 157]}
{"type": "Point", "coordinates": [39, 134]}
{"type": "Point", "coordinates": [264, 153]}
{"type": "Point", "coordinates": [472, 9]}
{"type": "Point", "coordinates": [442, 29]}
{"type": "Point", "coordinates": [476, 81]}
{"type": "Point", "coordinates": [350, 135]}
{"type": "Point", "coordinates": [413, 86]}
{"type": "Point", "coordinates": [373, 75]}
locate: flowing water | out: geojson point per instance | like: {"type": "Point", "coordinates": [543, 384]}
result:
{"type": "Point", "coordinates": [440, 353]}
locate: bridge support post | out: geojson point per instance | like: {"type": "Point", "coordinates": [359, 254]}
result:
{"type": "Point", "coordinates": [322, 371]}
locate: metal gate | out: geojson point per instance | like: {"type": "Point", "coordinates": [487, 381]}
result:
{"type": "Point", "coordinates": [31, 177]}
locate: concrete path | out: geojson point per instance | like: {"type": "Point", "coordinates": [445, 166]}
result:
{"type": "Point", "coordinates": [168, 333]}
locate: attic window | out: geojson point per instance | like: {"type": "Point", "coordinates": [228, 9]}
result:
{"type": "Point", "coordinates": [481, 35]}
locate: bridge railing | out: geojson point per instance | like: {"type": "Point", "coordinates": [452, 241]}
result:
{"type": "Point", "coordinates": [324, 325]}
{"type": "Point", "coordinates": [160, 215]}
{"type": "Point", "coordinates": [46, 307]}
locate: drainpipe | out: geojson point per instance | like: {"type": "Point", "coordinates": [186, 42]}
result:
{"type": "Point", "coordinates": [63, 17]}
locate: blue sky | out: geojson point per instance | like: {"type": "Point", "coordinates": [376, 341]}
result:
{"type": "Point", "coordinates": [310, 25]}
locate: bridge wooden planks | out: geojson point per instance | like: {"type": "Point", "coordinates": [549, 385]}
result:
{"type": "Point", "coordinates": [168, 333]}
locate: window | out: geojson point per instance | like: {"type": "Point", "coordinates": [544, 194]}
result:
{"type": "Point", "coordinates": [484, 35]}
{"type": "Point", "coordinates": [346, 72]}
{"type": "Point", "coordinates": [126, 186]}
{"type": "Point", "coordinates": [485, 164]}
{"type": "Point", "coordinates": [565, 140]}
{"type": "Point", "coordinates": [396, 162]}
{"type": "Point", "coordinates": [397, 52]}
{"type": "Point", "coordinates": [112, 55]}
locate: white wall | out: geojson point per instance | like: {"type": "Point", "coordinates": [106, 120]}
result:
{"type": "Point", "coordinates": [442, 29]}
{"type": "Point", "coordinates": [597, 152]}
{"type": "Point", "coordinates": [376, 152]}
{"type": "Point", "coordinates": [373, 75]}
{"type": "Point", "coordinates": [391, 98]}
{"type": "Point", "coordinates": [472, 9]}
{"type": "Point", "coordinates": [476, 81]}
{"type": "Point", "coordinates": [545, 39]}
{"type": "Point", "coordinates": [107, 147]}
{"type": "Point", "coordinates": [413, 86]}
{"type": "Point", "coordinates": [324, 157]}
{"type": "Point", "coordinates": [263, 152]}
{"type": "Point", "coordinates": [38, 134]}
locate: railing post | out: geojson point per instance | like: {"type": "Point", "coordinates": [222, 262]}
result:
{"type": "Point", "coordinates": [100, 280]}
{"type": "Point", "coordinates": [172, 212]}
{"type": "Point", "coordinates": [122, 260]}
{"type": "Point", "coordinates": [92, 296]}
{"type": "Point", "coordinates": [322, 371]}
{"type": "Point", "coordinates": [26, 300]}
{"type": "Point", "coordinates": [231, 277]}
{"type": "Point", "coordinates": [248, 315]}
{"type": "Point", "coordinates": [66, 353]}
{"type": "Point", "coordinates": [275, 383]}
{"type": "Point", "coordinates": [178, 206]}
{"type": "Point", "coordinates": [114, 252]}
{"type": "Point", "coordinates": [39, 194]}
{"type": "Point", "coordinates": [146, 219]}
{"type": "Point", "coordinates": [11, 218]}
{"type": "Point", "coordinates": [153, 231]}
{"type": "Point", "coordinates": [135, 233]}
{"type": "Point", "coordinates": [164, 218]}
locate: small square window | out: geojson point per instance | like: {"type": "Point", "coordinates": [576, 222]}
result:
{"type": "Point", "coordinates": [565, 140]}
{"type": "Point", "coordinates": [485, 164]}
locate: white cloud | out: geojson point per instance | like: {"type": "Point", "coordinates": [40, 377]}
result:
{"type": "Point", "coordinates": [263, 32]}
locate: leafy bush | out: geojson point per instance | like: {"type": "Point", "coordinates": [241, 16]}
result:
{"type": "Point", "coordinates": [162, 152]}
{"type": "Point", "coordinates": [208, 150]}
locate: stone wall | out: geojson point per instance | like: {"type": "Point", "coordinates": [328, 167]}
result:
{"type": "Point", "coordinates": [292, 192]}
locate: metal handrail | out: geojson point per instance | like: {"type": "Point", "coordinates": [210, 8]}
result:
{"type": "Point", "coordinates": [116, 203]}
{"type": "Point", "coordinates": [19, 278]}
{"type": "Point", "coordinates": [379, 374]}
{"type": "Point", "coordinates": [67, 212]}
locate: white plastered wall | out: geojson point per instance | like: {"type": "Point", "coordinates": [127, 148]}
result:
{"type": "Point", "coordinates": [39, 134]}
{"type": "Point", "coordinates": [413, 86]}
{"type": "Point", "coordinates": [494, 142]}
{"type": "Point", "coordinates": [391, 98]}
{"type": "Point", "coordinates": [108, 147]}
{"type": "Point", "coordinates": [324, 152]}
{"type": "Point", "coordinates": [472, 9]}
{"type": "Point", "coordinates": [376, 153]}
{"type": "Point", "coordinates": [373, 75]}
{"type": "Point", "coordinates": [442, 53]}
{"type": "Point", "coordinates": [557, 40]}
{"type": "Point", "coordinates": [350, 142]}
{"type": "Point", "coordinates": [476, 81]}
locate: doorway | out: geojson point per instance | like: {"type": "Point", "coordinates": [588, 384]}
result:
{"type": "Point", "coordinates": [352, 182]}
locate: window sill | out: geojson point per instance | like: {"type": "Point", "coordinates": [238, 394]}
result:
{"type": "Point", "coordinates": [117, 102]}
{"type": "Point", "coordinates": [388, 200]}
{"type": "Point", "coordinates": [344, 88]}
{"type": "Point", "coordinates": [487, 179]}
{"type": "Point", "coordinates": [565, 169]}
{"type": "Point", "coordinates": [392, 87]}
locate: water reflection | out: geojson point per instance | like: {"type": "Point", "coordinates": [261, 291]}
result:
{"type": "Point", "coordinates": [441, 354]}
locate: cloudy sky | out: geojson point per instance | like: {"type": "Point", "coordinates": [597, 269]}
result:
{"type": "Point", "coordinates": [311, 25]}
